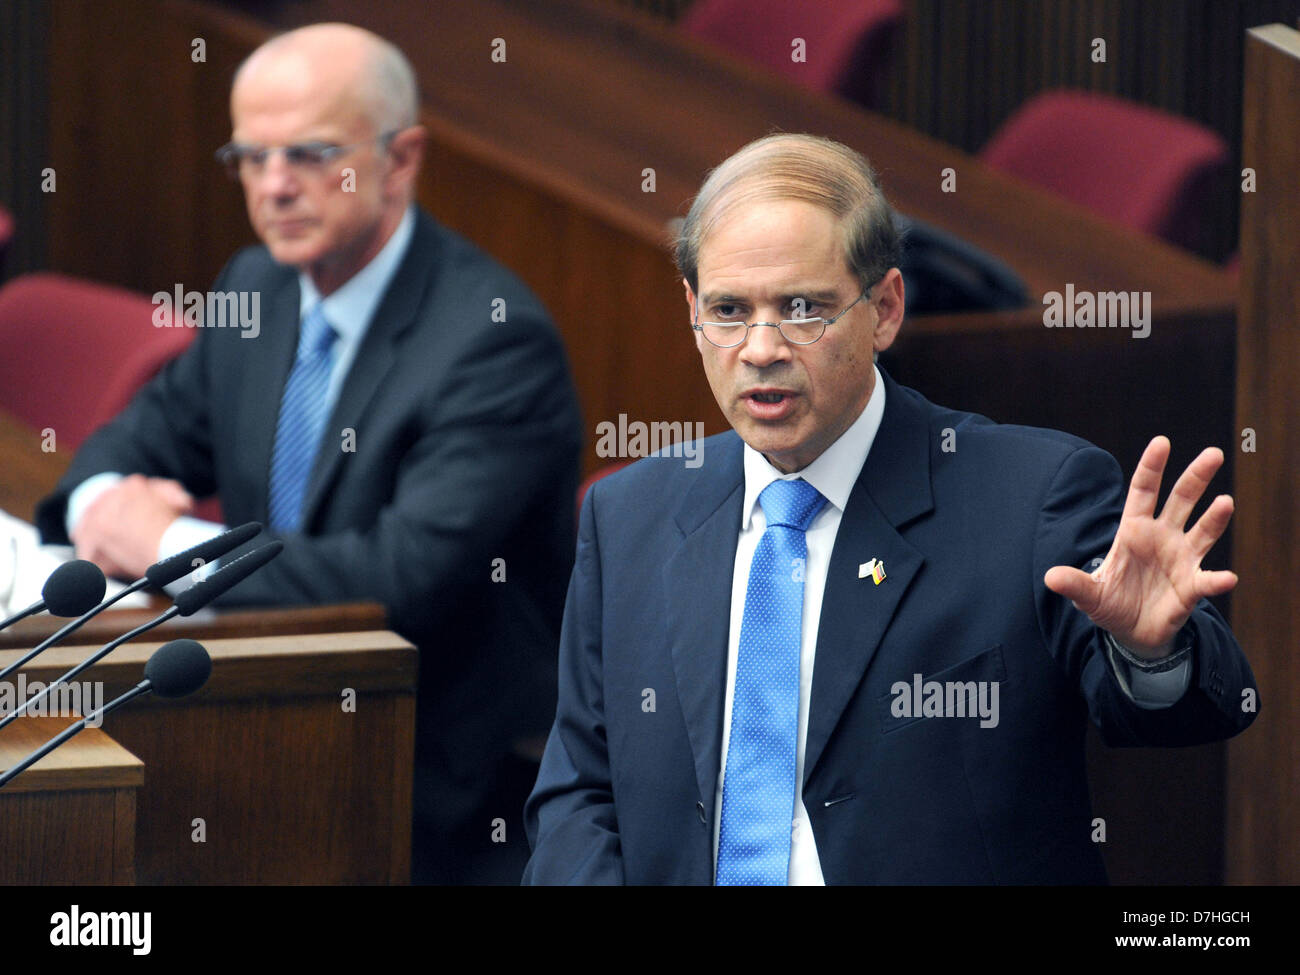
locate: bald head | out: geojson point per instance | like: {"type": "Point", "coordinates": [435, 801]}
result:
{"type": "Point", "coordinates": [358, 71]}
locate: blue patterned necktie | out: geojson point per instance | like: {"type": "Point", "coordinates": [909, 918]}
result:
{"type": "Point", "coordinates": [303, 412]}
{"type": "Point", "coordinates": [759, 784]}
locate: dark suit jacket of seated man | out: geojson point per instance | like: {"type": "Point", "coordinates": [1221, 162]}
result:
{"type": "Point", "coordinates": [942, 734]}
{"type": "Point", "coordinates": [466, 442]}
{"type": "Point", "coordinates": [452, 443]}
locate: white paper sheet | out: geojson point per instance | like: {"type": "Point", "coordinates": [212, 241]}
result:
{"type": "Point", "coordinates": [25, 564]}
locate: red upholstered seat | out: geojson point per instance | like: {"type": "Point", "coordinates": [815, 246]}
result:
{"type": "Point", "coordinates": [75, 351]}
{"type": "Point", "coordinates": [847, 42]}
{"type": "Point", "coordinates": [1138, 166]}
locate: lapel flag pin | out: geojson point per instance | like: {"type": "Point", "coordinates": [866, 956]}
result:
{"type": "Point", "coordinates": [875, 568]}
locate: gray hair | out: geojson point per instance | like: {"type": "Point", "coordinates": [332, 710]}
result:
{"type": "Point", "coordinates": [800, 167]}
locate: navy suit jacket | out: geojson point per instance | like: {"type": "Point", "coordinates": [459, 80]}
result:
{"type": "Point", "coordinates": [466, 442]}
{"type": "Point", "coordinates": [626, 794]}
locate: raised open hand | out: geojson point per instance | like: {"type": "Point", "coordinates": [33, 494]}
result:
{"type": "Point", "coordinates": [1151, 579]}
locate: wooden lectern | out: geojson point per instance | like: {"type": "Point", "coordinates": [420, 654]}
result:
{"type": "Point", "coordinates": [70, 818]}
{"type": "Point", "coordinates": [292, 765]}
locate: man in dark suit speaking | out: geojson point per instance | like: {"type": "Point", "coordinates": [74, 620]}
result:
{"type": "Point", "coordinates": [859, 642]}
{"type": "Point", "coordinates": [403, 418]}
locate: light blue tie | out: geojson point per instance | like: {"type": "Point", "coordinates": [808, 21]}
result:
{"type": "Point", "coordinates": [758, 787]}
{"type": "Point", "coordinates": [303, 412]}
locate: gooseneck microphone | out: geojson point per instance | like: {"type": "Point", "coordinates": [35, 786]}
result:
{"type": "Point", "coordinates": [71, 589]}
{"type": "Point", "coordinates": [167, 571]}
{"type": "Point", "coordinates": [159, 574]}
{"type": "Point", "coordinates": [227, 577]}
{"type": "Point", "coordinates": [176, 669]}
{"type": "Point", "coordinates": [187, 603]}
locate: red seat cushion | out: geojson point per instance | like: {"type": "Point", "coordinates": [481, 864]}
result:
{"type": "Point", "coordinates": [76, 351]}
{"type": "Point", "coordinates": [1138, 166]}
{"type": "Point", "coordinates": [847, 43]}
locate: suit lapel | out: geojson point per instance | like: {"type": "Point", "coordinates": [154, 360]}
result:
{"type": "Point", "coordinates": [399, 308]}
{"type": "Point", "coordinates": [697, 587]}
{"type": "Point", "coordinates": [893, 489]}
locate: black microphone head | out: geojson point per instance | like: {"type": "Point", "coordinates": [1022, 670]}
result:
{"type": "Point", "coordinates": [74, 588]}
{"type": "Point", "coordinates": [170, 569]}
{"type": "Point", "coordinates": [200, 594]}
{"type": "Point", "coordinates": [178, 668]}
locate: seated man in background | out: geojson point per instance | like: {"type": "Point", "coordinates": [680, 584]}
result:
{"type": "Point", "coordinates": [403, 419]}
{"type": "Point", "coordinates": [859, 643]}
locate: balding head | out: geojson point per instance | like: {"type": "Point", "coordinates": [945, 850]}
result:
{"type": "Point", "coordinates": [806, 168]}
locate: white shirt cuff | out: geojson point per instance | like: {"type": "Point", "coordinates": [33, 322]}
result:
{"type": "Point", "coordinates": [84, 495]}
{"type": "Point", "coordinates": [186, 532]}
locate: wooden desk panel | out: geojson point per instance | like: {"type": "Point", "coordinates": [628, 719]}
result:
{"type": "Point", "coordinates": [204, 625]}
{"type": "Point", "coordinates": [70, 818]}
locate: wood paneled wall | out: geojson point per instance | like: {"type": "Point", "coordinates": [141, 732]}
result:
{"type": "Point", "coordinates": [24, 25]}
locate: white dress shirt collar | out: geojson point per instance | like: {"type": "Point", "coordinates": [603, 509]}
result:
{"type": "Point", "coordinates": [350, 308]}
{"type": "Point", "coordinates": [833, 473]}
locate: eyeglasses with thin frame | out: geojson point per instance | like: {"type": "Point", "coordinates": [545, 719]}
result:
{"type": "Point", "coordinates": [241, 157]}
{"type": "Point", "coordinates": [796, 331]}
